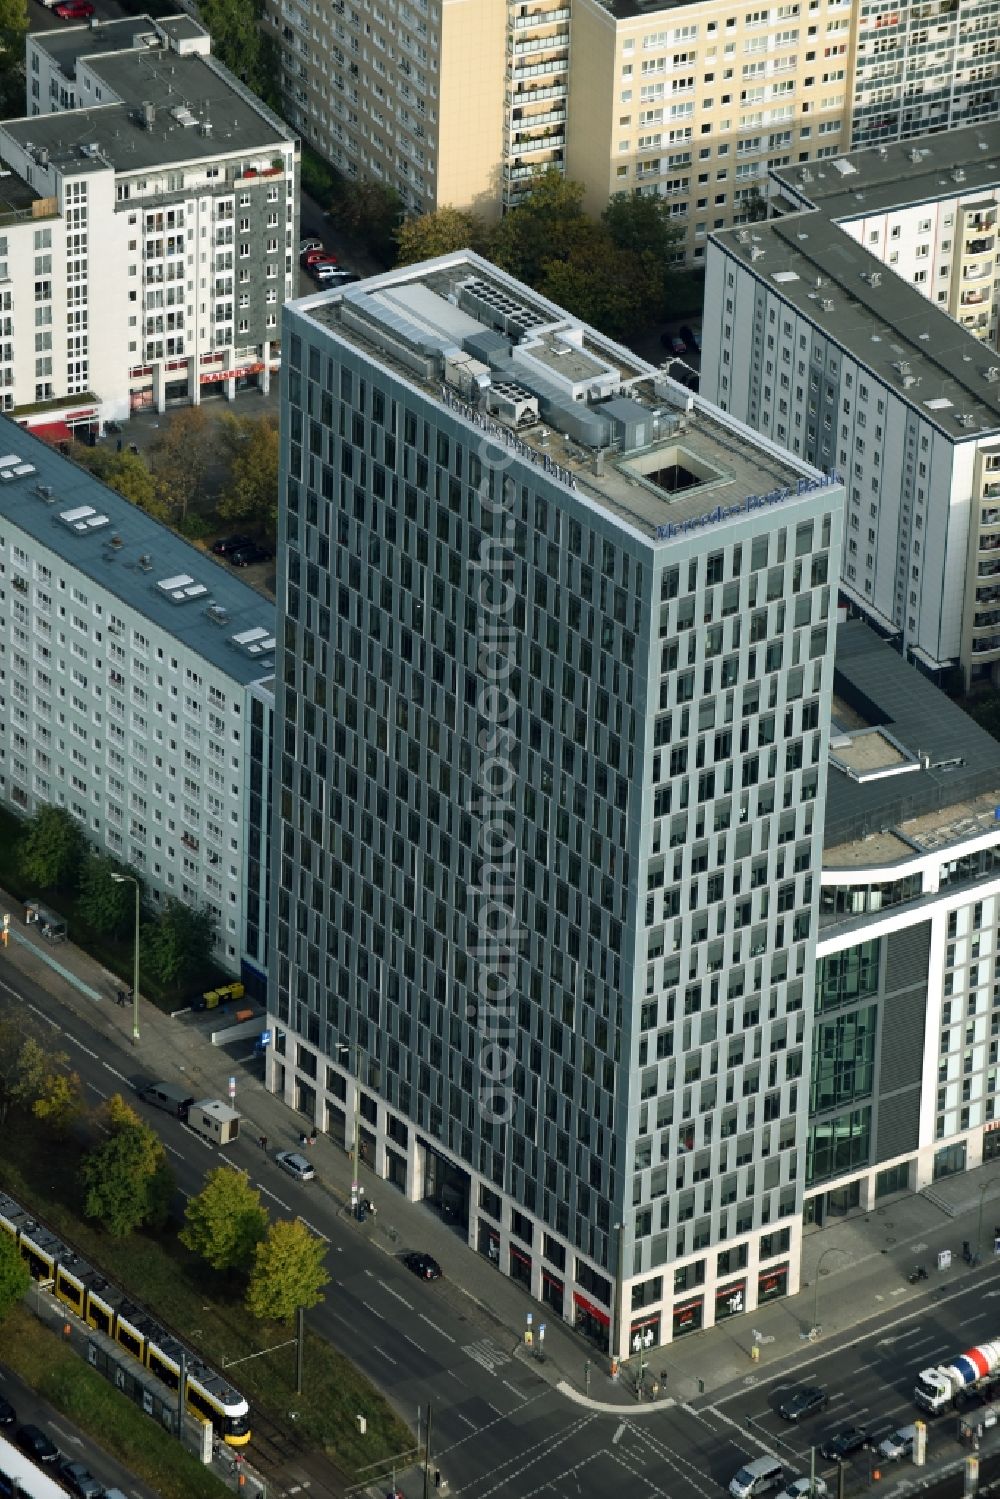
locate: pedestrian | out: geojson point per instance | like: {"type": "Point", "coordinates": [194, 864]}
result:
{"type": "Point", "coordinates": [119, 444]}
{"type": "Point", "coordinates": [262, 1142]}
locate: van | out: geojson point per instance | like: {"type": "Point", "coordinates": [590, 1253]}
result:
{"type": "Point", "coordinates": [758, 1477]}
{"type": "Point", "coordinates": [167, 1096]}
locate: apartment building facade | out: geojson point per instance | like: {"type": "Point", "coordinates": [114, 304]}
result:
{"type": "Point", "coordinates": [667, 690]}
{"type": "Point", "coordinates": [142, 153]}
{"type": "Point", "coordinates": [811, 337]}
{"type": "Point", "coordinates": [126, 662]}
{"type": "Point", "coordinates": [464, 103]}
{"type": "Point", "coordinates": [904, 1078]}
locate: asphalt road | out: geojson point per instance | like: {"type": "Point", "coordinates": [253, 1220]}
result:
{"type": "Point", "coordinates": [500, 1430]}
{"type": "Point", "coordinates": [31, 1408]}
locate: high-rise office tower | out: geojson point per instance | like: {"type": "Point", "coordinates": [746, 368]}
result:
{"type": "Point", "coordinates": [552, 704]}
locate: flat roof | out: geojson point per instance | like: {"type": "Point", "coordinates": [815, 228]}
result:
{"type": "Point", "coordinates": [886, 324]}
{"type": "Point", "coordinates": [17, 197]}
{"type": "Point", "coordinates": [919, 170]}
{"type": "Point", "coordinates": [199, 110]}
{"type": "Point", "coordinates": [567, 383]}
{"type": "Point", "coordinates": [944, 788]}
{"type": "Point", "coordinates": [173, 584]}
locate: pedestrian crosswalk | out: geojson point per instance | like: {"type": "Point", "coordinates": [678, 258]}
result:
{"type": "Point", "coordinates": [488, 1354]}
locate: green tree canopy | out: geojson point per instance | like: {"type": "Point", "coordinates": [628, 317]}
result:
{"type": "Point", "coordinates": [108, 908]}
{"type": "Point", "coordinates": [549, 225]}
{"type": "Point", "coordinates": [240, 40]}
{"type": "Point", "coordinates": [288, 1272]}
{"type": "Point", "coordinates": [13, 29]}
{"type": "Point", "coordinates": [251, 493]}
{"type": "Point", "coordinates": [15, 1278]}
{"type": "Point", "coordinates": [178, 944]}
{"type": "Point", "coordinates": [125, 472]}
{"type": "Point", "coordinates": [126, 1176]}
{"type": "Point", "coordinates": [641, 225]}
{"type": "Point", "coordinates": [180, 457]}
{"type": "Point", "coordinates": [429, 234]}
{"type": "Point", "coordinates": [51, 849]}
{"type": "Point", "coordinates": [225, 1222]}
{"type": "Point", "coordinates": [369, 212]}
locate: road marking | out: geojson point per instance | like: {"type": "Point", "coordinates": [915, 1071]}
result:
{"type": "Point", "coordinates": [495, 1408]}
{"type": "Point", "coordinates": [899, 1338]}
{"type": "Point", "coordinates": [446, 1335]}
{"type": "Point", "coordinates": [748, 1433]}
{"type": "Point", "coordinates": [94, 1089]}
{"type": "Point", "coordinates": [273, 1196]}
{"type": "Point", "coordinates": [369, 1308]}
{"type": "Point", "coordinates": [487, 1354]}
{"type": "Point", "coordinates": [382, 1351]}
{"type": "Point", "coordinates": [466, 1420]}
{"type": "Point", "coordinates": [619, 1434]}
{"type": "Point", "coordinates": [386, 1287]}
{"type": "Point", "coordinates": [173, 1150]}
{"type": "Point", "coordinates": [115, 1073]}
{"type": "Point", "coordinates": [406, 1335]}
{"type": "Point", "coordinates": [75, 1042]}
{"type": "Point", "coordinates": [513, 1389]}
{"type": "Point", "coordinates": [313, 1230]}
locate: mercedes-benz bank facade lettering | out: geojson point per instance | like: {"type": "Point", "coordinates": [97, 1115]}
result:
{"type": "Point", "coordinates": [752, 502]}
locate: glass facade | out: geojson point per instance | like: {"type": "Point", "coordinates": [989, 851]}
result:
{"type": "Point", "coordinates": [846, 977]}
{"type": "Point", "coordinates": [843, 1060]}
{"type": "Point", "coordinates": [838, 1146]}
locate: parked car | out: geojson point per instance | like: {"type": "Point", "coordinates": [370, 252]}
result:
{"type": "Point", "coordinates": [32, 1440]}
{"type": "Point", "coordinates": [423, 1265]}
{"type": "Point", "coordinates": [74, 10]}
{"type": "Point", "coordinates": [80, 1481]}
{"type": "Point", "coordinates": [804, 1488]}
{"type": "Point", "coordinates": [673, 342]}
{"type": "Point", "coordinates": [305, 245]}
{"type": "Point", "coordinates": [338, 277]}
{"type": "Point", "coordinates": [898, 1444]}
{"type": "Point", "coordinates": [844, 1443]}
{"type": "Point", "coordinates": [226, 545]}
{"type": "Point", "coordinates": [247, 556]}
{"type": "Point", "coordinates": [8, 1415]}
{"type": "Point", "coordinates": [312, 256]}
{"type": "Point", "coordinates": [295, 1164]}
{"type": "Point", "coordinates": [691, 338]}
{"type": "Point", "coordinates": [805, 1402]}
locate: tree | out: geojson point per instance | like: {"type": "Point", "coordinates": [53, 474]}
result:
{"type": "Point", "coordinates": [225, 1222]}
{"type": "Point", "coordinates": [14, 1035]}
{"type": "Point", "coordinates": [13, 28]}
{"type": "Point", "coordinates": [42, 1085]}
{"type": "Point", "coordinates": [369, 212]}
{"type": "Point", "coordinates": [180, 457]}
{"type": "Point", "coordinates": [241, 41]}
{"type": "Point", "coordinates": [108, 908]}
{"type": "Point", "coordinates": [127, 1179]}
{"type": "Point", "coordinates": [125, 472]}
{"type": "Point", "coordinates": [251, 494]}
{"type": "Point", "coordinates": [641, 224]}
{"type": "Point", "coordinates": [548, 225]}
{"type": "Point", "coordinates": [288, 1272]}
{"type": "Point", "coordinates": [51, 849]}
{"type": "Point", "coordinates": [60, 1100]}
{"type": "Point", "coordinates": [15, 1277]}
{"type": "Point", "coordinates": [429, 234]}
{"type": "Point", "coordinates": [179, 944]}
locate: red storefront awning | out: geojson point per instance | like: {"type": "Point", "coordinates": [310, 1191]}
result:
{"type": "Point", "coordinates": [52, 432]}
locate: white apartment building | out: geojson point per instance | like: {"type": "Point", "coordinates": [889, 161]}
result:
{"type": "Point", "coordinates": [148, 224]}
{"type": "Point", "coordinates": [126, 662]}
{"type": "Point", "coordinates": [812, 337]}
{"type": "Point", "coordinates": [904, 1080]}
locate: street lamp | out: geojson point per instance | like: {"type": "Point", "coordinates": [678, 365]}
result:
{"type": "Point", "coordinates": [344, 1050]}
{"type": "Point", "coordinates": [832, 1250]}
{"type": "Point", "coordinates": [130, 879]}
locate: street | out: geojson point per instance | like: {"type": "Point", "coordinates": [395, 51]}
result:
{"type": "Point", "coordinates": [499, 1427]}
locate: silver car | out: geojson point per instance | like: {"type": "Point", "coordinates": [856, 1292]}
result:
{"type": "Point", "coordinates": [802, 1488]}
{"type": "Point", "coordinates": [899, 1444]}
{"type": "Point", "coordinates": [296, 1165]}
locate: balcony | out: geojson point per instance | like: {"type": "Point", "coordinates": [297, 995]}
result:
{"type": "Point", "coordinates": [541, 44]}
{"type": "Point", "coordinates": [523, 144]}
{"type": "Point", "coordinates": [522, 95]}
{"type": "Point", "coordinates": [975, 298]}
{"type": "Point", "coordinates": [522, 71]}
{"type": "Point", "coordinates": [541, 18]}
{"type": "Point", "coordinates": [522, 121]}
{"type": "Point", "coordinates": [982, 246]}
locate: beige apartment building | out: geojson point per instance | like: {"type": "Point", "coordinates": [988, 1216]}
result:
{"type": "Point", "coordinates": [464, 102]}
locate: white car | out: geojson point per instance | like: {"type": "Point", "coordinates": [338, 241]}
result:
{"type": "Point", "coordinates": [295, 1164]}
{"type": "Point", "coordinates": [801, 1488]}
{"type": "Point", "coordinates": [899, 1444]}
{"type": "Point", "coordinates": [305, 245]}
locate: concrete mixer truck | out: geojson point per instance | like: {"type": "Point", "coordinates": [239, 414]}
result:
{"type": "Point", "coordinates": [972, 1374]}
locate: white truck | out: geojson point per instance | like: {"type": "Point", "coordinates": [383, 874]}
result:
{"type": "Point", "coordinates": [949, 1385]}
{"type": "Point", "coordinates": [214, 1120]}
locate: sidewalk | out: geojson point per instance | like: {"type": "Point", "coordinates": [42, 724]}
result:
{"type": "Point", "coordinates": [853, 1270]}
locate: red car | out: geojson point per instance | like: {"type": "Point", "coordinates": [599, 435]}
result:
{"type": "Point", "coordinates": [74, 10]}
{"type": "Point", "coordinates": [312, 257]}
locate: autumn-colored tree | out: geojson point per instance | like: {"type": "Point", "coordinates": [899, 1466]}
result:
{"type": "Point", "coordinates": [127, 1179]}
{"type": "Point", "coordinates": [225, 1222]}
{"type": "Point", "coordinates": [549, 225]}
{"type": "Point", "coordinates": [288, 1272]}
{"type": "Point", "coordinates": [251, 493]}
{"type": "Point", "coordinates": [180, 457]}
{"type": "Point", "coordinates": [60, 1100]}
{"type": "Point", "coordinates": [429, 234]}
{"type": "Point", "coordinates": [125, 472]}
